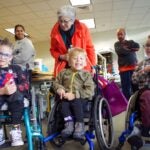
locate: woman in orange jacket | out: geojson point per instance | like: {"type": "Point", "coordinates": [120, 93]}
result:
{"type": "Point", "coordinates": [67, 33]}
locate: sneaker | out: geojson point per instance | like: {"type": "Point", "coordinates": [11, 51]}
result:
{"type": "Point", "coordinates": [16, 137]}
{"type": "Point", "coordinates": [2, 140]}
{"type": "Point", "coordinates": [69, 128]}
{"type": "Point", "coordinates": [136, 142]}
{"type": "Point", "coordinates": [135, 139]}
{"type": "Point", "coordinates": [79, 131]}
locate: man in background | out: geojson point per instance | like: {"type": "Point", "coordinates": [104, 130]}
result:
{"type": "Point", "coordinates": [127, 61]}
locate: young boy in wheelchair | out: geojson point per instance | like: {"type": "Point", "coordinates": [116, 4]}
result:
{"type": "Point", "coordinates": [141, 76]}
{"type": "Point", "coordinates": [74, 86]}
{"type": "Point", "coordinates": [13, 87]}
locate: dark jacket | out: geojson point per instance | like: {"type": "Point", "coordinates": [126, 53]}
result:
{"type": "Point", "coordinates": [126, 52]}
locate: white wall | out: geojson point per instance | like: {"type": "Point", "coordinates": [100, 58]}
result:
{"type": "Point", "coordinates": [42, 51]}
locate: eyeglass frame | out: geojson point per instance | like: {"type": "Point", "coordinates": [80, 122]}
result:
{"type": "Point", "coordinates": [5, 55]}
{"type": "Point", "coordinates": [64, 21]}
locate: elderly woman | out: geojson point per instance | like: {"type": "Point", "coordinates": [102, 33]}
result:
{"type": "Point", "coordinates": [69, 32]}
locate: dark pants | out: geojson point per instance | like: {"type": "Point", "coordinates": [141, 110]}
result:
{"type": "Point", "coordinates": [73, 108]}
{"type": "Point", "coordinates": [15, 106]}
{"type": "Point", "coordinates": [144, 102]}
{"type": "Point", "coordinates": [126, 84]}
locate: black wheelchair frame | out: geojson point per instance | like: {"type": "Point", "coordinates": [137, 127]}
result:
{"type": "Point", "coordinates": [100, 121]}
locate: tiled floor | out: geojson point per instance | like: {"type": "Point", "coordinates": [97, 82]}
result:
{"type": "Point", "coordinates": [118, 125]}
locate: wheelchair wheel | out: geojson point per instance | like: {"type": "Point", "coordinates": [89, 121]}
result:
{"type": "Point", "coordinates": [55, 124]}
{"type": "Point", "coordinates": [37, 140]}
{"type": "Point", "coordinates": [38, 144]}
{"type": "Point", "coordinates": [130, 109]}
{"type": "Point", "coordinates": [103, 123]}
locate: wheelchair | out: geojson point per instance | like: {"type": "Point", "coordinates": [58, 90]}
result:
{"type": "Point", "coordinates": [132, 118]}
{"type": "Point", "coordinates": [97, 119]}
{"type": "Point", "coordinates": [32, 121]}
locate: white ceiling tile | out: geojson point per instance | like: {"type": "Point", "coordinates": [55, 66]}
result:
{"type": "Point", "coordinates": [141, 3]}
{"type": "Point", "coordinates": [40, 6]}
{"type": "Point", "coordinates": [4, 12]}
{"type": "Point", "coordinates": [103, 7]}
{"type": "Point", "coordinates": [19, 9]}
{"type": "Point", "coordinates": [139, 10]}
{"type": "Point", "coordinates": [11, 2]}
{"type": "Point", "coordinates": [126, 4]}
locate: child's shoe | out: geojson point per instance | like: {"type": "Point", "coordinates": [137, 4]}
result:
{"type": "Point", "coordinates": [2, 140]}
{"type": "Point", "coordinates": [68, 130]}
{"type": "Point", "coordinates": [134, 139]}
{"type": "Point", "coordinates": [16, 137]}
{"type": "Point", "coordinates": [79, 131]}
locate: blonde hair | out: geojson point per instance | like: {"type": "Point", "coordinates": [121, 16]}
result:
{"type": "Point", "coordinates": [76, 51]}
{"type": "Point", "coordinates": [121, 30]}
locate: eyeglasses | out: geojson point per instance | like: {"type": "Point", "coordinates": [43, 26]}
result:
{"type": "Point", "coordinates": [64, 21]}
{"type": "Point", "coordinates": [5, 55]}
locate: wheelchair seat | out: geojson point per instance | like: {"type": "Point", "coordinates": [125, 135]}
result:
{"type": "Point", "coordinates": [97, 118]}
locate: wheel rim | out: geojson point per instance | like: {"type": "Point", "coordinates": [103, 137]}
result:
{"type": "Point", "coordinates": [106, 123]}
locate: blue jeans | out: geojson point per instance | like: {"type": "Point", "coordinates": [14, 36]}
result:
{"type": "Point", "coordinates": [126, 83]}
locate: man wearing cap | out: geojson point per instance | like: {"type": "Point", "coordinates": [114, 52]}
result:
{"type": "Point", "coordinates": [127, 61]}
{"type": "Point", "coordinates": [68, 32]}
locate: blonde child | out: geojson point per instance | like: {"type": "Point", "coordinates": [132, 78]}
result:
{"type": "Point", "coordinates": [74, 86]}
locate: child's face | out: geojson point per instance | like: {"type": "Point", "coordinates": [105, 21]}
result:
{"type": "Point", "coordinates": [78, 62]}
{"type": "Point", "coordinates": [5, 56]}
{"type": "Point", "coordinates": [147, 49]}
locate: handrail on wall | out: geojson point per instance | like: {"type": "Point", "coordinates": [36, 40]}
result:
{"type": "Point", "coordinates": [104, 64]}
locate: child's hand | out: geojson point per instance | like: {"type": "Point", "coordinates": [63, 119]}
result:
{"type": "Point", "coordinates": [69, 96]}
{"type": "Point", "coordinates": [61, 92]}
{"type": "Point", "coordinates": [10, 88]}
{"type": "Point", "coordinates": [145, 69]}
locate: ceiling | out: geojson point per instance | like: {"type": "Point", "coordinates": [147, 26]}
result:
{"type": "Point", "coordinates": [38, 16]}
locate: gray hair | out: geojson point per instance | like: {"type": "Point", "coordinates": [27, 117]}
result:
{"type": "Point", "coordinates": [67, 11]}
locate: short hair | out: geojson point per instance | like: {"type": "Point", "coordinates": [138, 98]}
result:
{"type": "Point", "coordinates": [67, 11]}
{"type": "Point", "coordinates": [16, 26]}
{"type": "Point", "coordinates": [76, 51]}
{"type": "Point", "coordinates": [6, 42]}
{"type": "Point", "coordinates": [121, 30]}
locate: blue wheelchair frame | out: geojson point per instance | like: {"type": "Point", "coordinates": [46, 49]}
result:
{"type": "Point", "coordinates": [33, 129]}
{"type": "Point", "coordinates": [89, 136]}
{"type": "Point", "coordinates": [131, 122]}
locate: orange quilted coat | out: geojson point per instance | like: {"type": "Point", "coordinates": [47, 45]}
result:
{"type": "Point", "coordinates": [81, 38]}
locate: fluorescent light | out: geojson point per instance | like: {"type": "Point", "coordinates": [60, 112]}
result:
{"type": "Point", "coordinates": [89, 22]}
{"type": "Point", "coordinates": [80, 2]}
{"type": "Point", "coordinates": [11, 30]}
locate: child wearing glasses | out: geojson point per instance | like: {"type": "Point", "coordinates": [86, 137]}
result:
{"type": "Point", "coordinates": [74, 86]}
{"type": "Point", "coordinates": [13, 88]}
{"type": "Point", "coordinates": [141, 76]}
